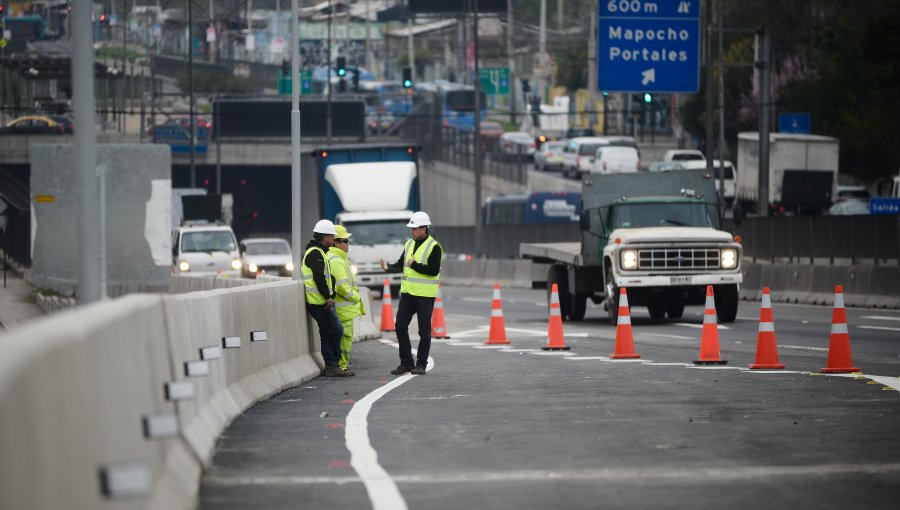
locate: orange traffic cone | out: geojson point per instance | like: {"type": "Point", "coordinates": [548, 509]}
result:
{"type": "Point", "coordinates": [839, 358]}
{"type": "Point", "coordinates": [766, 350]}
{"type": "Point", "coordinates": [709, 340]}
{"type": "Point", "coordinates": [624, 338]}
{"type": "Point", "coordinates": [438, 328]}
{"type": "Point", "coordinates": [387, 308]}
{"type": "Point", "coordinates": [497, 334]}
{"type": "Point", "coordinates": [555, 339]}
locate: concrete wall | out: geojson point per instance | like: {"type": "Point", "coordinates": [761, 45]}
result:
{"type": "Point", "coordinates": [76, 389]}
{"type": "Point", "coordinates": [138, 200]}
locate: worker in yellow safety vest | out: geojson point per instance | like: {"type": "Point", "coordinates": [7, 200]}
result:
{"type": "Point", "coordinates": [420, 264]}
{"type": "Point", "coordinates": [318, 285]}
{"type": "Point", "coordinates": [347, 300]}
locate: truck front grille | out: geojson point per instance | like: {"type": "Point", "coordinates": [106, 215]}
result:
{"type": "Point", "coordinates": [678, 259]}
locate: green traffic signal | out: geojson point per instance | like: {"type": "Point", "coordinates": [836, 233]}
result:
{"type": "Point", "coordinates": [647, 97]}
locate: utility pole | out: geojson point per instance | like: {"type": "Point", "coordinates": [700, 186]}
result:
{"type": "Point", "coordinates": [707, 49]}
{"type": "Point", "coordinates": [721, 152]}
{"type": "Point", "coordinates": [410, 47]}
{"type": "Point", "coordinates": [477, 141]}
{"type": "Point", "coordinates": [193, 127]}
{"type": "Point", "coordinates": [510, 48]}
{"type": "Point", "coordinates": [764, 64]}
{"type": "Point", "coordinates": [296, 188]}
{"type": "Point", "coordinates": [330, 93]}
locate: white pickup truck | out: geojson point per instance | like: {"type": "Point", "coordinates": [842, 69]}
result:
{"type": "Point", "coordinates": [655, 234]}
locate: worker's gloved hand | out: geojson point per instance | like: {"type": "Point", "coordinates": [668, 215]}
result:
{"type": "Point", "coordinates": [329, 304]}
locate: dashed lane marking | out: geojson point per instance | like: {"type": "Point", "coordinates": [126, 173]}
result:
{"type": "Point", "coordinates": [880, 328]}
{"type": "Point", "coordinates": [804, 348]}
{"type": "Point", "coordinates": [880, 318]}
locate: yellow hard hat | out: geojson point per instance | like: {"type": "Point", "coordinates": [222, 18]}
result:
{"type": "Point", "coordinates": [341, 232]}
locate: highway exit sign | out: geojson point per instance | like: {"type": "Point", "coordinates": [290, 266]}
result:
{"type": "Point", "coordinates": [494, 80]}
{"type": "Point", "coordinates": [648, 46]}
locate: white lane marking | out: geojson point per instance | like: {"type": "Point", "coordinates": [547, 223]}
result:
{"type": "Point", "coordinates": [465, 344]}
{"type": "Point", "coordinates": [690, 475]}
{"type": "Point", "coordinates": [477, 299]}
{"type": "Point", "coordinates": [698, 326]}
{"type": "Point", "coordinates": [880, 318]}
{"type": "Point", "coordinates": [461, 316]}
{"type": "Point", "coordinates": [890, 382]}
{"type": "Point", "coordinates": [880, 328]}
{"type": "Point", "coordinates": [554, 353]}
{"type": "Point", "coordinates": [747, 318]}
{"type": "Point", "coordinates": [382, 489]}
{"type": "Point", "coordinates": [586, 358]}
{"type": "Point", "coordinates": [751, 371]}
{"type": "Point", "coordinates": [715, 367]}
{"type": "Point", "coordinates": [481, 346]}
{"type": "Point", "coordinates": [804, 348]}
{"type": "Point", "coordinates": [668, 336]}
{"type": "Point", "coordinates": [518, 350]}
{"type": "Point", "coordinates": [663, 364]}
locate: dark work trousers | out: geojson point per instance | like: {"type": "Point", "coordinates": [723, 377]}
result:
{"type": "Point", "coordinates": [422, 308]}
{"type": "Point", "coordinates": [330, 332]}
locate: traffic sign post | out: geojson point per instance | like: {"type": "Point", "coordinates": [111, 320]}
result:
{"type": "Point", "coordinates": [648, 46]}
{"type": "Point", "coordinates": [798, 123]}
{"type": "Point", "coordinates": [494, 80]}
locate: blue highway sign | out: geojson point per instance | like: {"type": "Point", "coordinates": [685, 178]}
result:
{"type": "Point", "coordinates": [649, 46]}
{"type": "Point", "coordinates": [798, 123]}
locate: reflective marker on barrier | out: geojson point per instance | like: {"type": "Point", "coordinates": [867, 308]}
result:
{"type": "Point", "coordinates": [231, 342]}
{"type": "Point", "coordinates": [127, 479]}
{"type": "Point", "coordinates": [211, 352]}
{"type": "Point", "coordinates": [258, 336]}
{"type": "Point", "coordinates": [160, 425]}
{"type": "Point", "coordinates": [196, 368]}
{"type": "Point", "coordinates": [180, 390]}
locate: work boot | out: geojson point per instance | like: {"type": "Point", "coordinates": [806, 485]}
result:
{"type": "Point", "coordinates": [418, 371]}
{"type": "Point", "coordinates": [402, 369]}
{"type": "Point", "coordinates": [342, 372]}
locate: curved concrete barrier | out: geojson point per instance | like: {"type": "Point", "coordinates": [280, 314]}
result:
{"type": "Point", "coordinates": [120, 403]}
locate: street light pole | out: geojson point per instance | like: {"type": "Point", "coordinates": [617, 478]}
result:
{"type": "Point", "coordinates": [190, 48]}
{"type": "Point", "coordinates": [296, 210]}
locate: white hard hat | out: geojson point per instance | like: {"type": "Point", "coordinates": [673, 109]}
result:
{"type": "Point", "coordinates": [419, 219]}
{"type": "Point", "coordinates": [324, 227]}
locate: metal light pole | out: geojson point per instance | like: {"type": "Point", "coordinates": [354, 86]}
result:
{"type": "Point", "coordinates": [296, 233]}
{"type": "Point", "coordinates": [477, 141]}
{"type": "Point", "coordinates": [85, 141]}
{"type": "Point", "coordinates": [190, 48]}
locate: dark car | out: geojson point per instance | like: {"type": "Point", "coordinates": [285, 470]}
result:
{"type": "Point", "coordinates": [67, 123]}
{"type": "Point", "coordinates": [577, 132]}
{"type": "Point", "coordinates": [34, 125]}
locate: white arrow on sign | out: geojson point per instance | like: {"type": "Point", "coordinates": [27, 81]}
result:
{"type": "Point", "coordinates": [648, 76]}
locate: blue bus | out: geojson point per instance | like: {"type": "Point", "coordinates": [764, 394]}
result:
{"type": "Point", "coordinates": [534, 208]}
{"type": "Point", "coordinates": [457, 102]}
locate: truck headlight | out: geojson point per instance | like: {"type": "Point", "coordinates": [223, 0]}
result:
{"type": "Point", "coordinates": [252, 267]}
{"type": "Point", "coordinates": [289, 266]}
{"type": "Point", "coordinates": [183, 266]}
{"type": "Point", "coordinates": [729, 258]}
{"type": "Point", "coordinates": [629, 259]}
{"type": "Point", "coordinates": [236, 264]}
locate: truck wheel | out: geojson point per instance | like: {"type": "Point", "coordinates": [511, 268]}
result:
{"type": "Point", "coordinates": [579, 307]}
{"type": "Point", "coordinates": [558, 275]}
{"type": "Point", "coordinates": [726, 302]}
{"type": "Point", "coordinates": [612, 301]}
{"type": "Point", "coordinates": [657, 309]}
{"type": "Point", "coordinates": [675, 310]}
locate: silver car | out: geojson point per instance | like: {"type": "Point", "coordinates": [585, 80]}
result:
{"type": "Point", "coordinates": [549, 156]}
{"type": "Point", "coordinates": [269, 255]}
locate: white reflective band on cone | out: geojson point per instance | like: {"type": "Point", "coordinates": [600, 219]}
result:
{"type": "Point", "coordinates": [554, 312]}
{"type": "Point", "coordinates": [554, 298]}
{"type": "Point", "coordinates": [766, 301]}
{"type": "Point", "coordinates": [709, 318]}
{"type": "Point", "coordinates": [623, 300]}
{"type": "Point", "coordinates": [766, 327]}
{"type": "Point", "coordinates": [496, 313]}
{"type": "Point", "coordinates": [839, 301]}
{"type": "Point", "coordinates": [496, 293]}
{"type": "Point", "coordinates": [438, 304]}
{"type": "Point", "coordinates": [623, 319]}
{"type": "Point", "coordinates": [838, 329]}
{"type": "Point", "coordinates": [710, 302]}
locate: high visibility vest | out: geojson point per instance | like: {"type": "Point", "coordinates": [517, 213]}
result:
{"type": "Point", "coordinates": [415, 283]}
{"type": "Point", "coordinates": [313, 296]}
{"type": "Point", "coordinates": [346, 299]}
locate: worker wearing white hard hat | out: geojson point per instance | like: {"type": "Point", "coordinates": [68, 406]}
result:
{"type": "Point", "coordinates": [420, 264]}
{"type": "Point", "coordinates": [319, 288]}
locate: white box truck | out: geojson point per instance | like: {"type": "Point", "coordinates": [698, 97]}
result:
{"type": "Point", "coordinates": [803, 171]}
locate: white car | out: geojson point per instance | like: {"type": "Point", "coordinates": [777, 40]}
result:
{"type": "Point", "coordinates": [690, 159]}
{"type": "Point", "coordinates": [209, 250]}
{"type": "Point", "coordinates": [516, 144]}
{"type": "Point", "coordinates": [849, 207]}
{"type": "Point", "coordinates": [578, 156]}
{"type": "Point", "coordinates": [730, 179]}
{"type": "Point", "coordinates": [549, 156]}
{"type": "Point", "coordinates": [266, 255]}
{"type": "Point", "coordinates": [616, 160]}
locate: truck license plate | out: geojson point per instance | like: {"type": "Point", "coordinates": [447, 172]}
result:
{"type": "Point", "coordinates": [680, 280]}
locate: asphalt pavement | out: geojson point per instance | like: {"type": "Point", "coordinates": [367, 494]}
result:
{"type": "Point", "coordinates": [518, 427]}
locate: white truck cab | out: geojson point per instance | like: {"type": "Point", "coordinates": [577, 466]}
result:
{"type": "Point", "coordinates": [205, 249]}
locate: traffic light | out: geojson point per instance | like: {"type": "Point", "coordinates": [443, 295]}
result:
{"type": "Point", "coordinates": [647, 97]}
{"type": "Point", "coordinates": [341, 66]}
{"type": "Point", "coordinates": [526, 87]}
{"type": "Point", "coordinates": [285, 68]}
{"type": "Point", "coordinates": [1, 11]}
{"type": "Point", "coordinates": [407, 77]}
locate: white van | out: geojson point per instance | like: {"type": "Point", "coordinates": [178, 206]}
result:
{"type": "Point", "coordinates": [205, 250]}
{"type": "Point", "coordinates": [578, 156]}
{"type": "Point", "coordinates": [730, 179]}
{"type": "Point", "coordinates": [688, 158]}
{"type": "Point", "coordinates": [616, 160]}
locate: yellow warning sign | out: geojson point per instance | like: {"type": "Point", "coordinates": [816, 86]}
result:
{"type": "Point", "coordinates": [46, 199]}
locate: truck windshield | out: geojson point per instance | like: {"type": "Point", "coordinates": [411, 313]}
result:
{"type": "Point", "coordinates": [267, 248]}
{"type": "Point", "coordinates": [378, 232]}
{"type": "Point", "coordinates": [213, 240]}
{"type": "Point", "coordinates": [637, 215]}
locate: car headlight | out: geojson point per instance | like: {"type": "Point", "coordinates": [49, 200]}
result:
{"type": "Point", "coordinates": [629, 259]}
{"type": "Point", "coordinates": [729, 258]}
{"type": "Point", "coordinates": [252, 268]}
{"type": "Point", "coordinates": [353, 268]}
{"type": "Point", "coordinates": [289, 266]}
{"type": "Point", "coordinates": [236, 264]}
{"type": "Point", "coordinates": [183, 266]}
